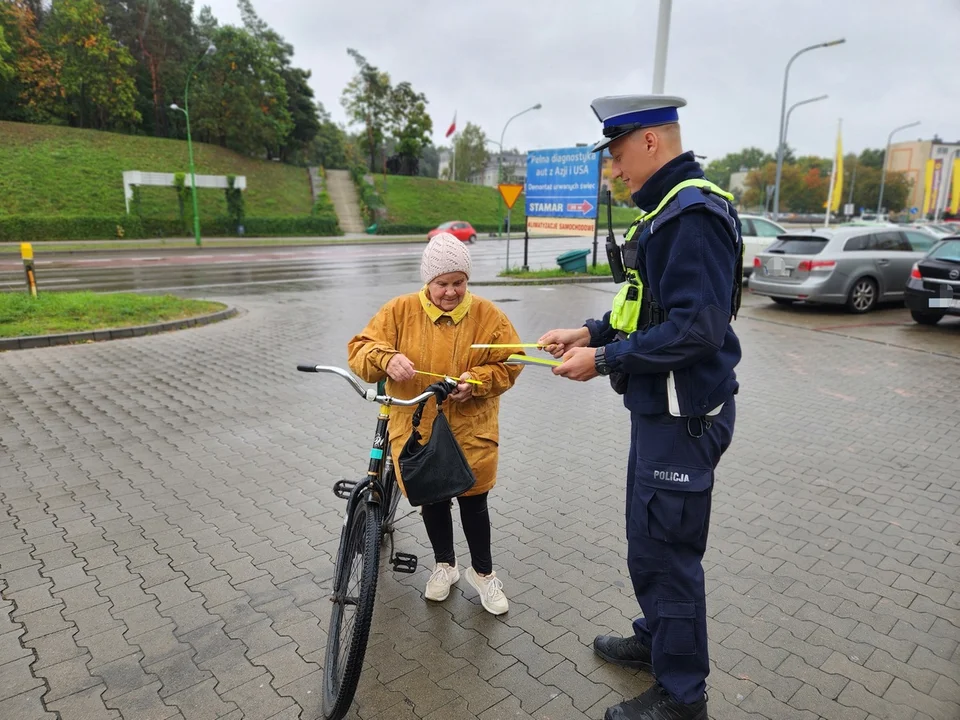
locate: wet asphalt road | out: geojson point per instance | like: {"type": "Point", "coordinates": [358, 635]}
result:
{"type": "Point", "coordinates": [222, 268]}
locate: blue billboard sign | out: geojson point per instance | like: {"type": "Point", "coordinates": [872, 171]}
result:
{"type": "Point", "coordinates": [562, 183]}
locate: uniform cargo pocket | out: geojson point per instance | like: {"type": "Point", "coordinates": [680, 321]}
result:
{"type": "Point", "coordinates": [678, 626]}
{"type": "Point", "coordinates": [677, 501]}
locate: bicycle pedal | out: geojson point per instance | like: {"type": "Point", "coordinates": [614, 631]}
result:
{"type": "Point", "coordinates": [404, 562]}
{"type": "Point", "coordinates": [343, 488]}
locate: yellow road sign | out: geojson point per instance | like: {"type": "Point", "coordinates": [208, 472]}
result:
{"type": "Point", "coordinates": [510, 193]}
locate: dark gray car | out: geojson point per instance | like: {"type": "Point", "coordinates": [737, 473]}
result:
{"type": "Point", "coordinates": [853, 266]}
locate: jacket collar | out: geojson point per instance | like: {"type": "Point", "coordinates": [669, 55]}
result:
{"type": "Point", "coordinates": [435, 313]}
{"type": "Point", "coordinates": [683, 167]}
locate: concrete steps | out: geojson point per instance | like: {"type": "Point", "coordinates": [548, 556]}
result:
{"type": "Point", "coordinates": [346, 201]}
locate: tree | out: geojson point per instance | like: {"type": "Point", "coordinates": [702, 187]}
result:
{"type": "Point", "coordinates": [791, 185]}
{"type": "Point", "coordinates": [430, 161]}
{"type": "Point", "coordinates": [367, 100]}
{"type": "Point", "coordinates": [470, 148]}
{"type": "Point", "coordinates": [719, 171]}
{"type": "Point", "coordinates": [32, 93]}
{"type": "Point", "coordinates": [7, 70]}
{"type": "Point", "coordinates": [873, 158]}
{"type": "Point", "coordinates": [410, 124]}
{"type": "Point", "coordinates": [301, 104]}
{"type": "Point", "coordinates": [329, 147]}
{"type": "Point", "coordinates": [162, 37]}
{"type": "Point", "coordinates": [93, 75]}
{"type": "Point", "coordinates": [866, 192]}
{"type": "Point", "coordinates": [240, 100]}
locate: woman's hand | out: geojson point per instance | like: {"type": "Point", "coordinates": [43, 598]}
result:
{"type": "Point", "coordinates": [558, 342]}
{"type": "Point", "coordinates": [464, 390]}
{"type": "Point", "coordinates": [400, 369]}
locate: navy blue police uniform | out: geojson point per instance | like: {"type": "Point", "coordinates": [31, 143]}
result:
{"type": "Point", "coordinates": [676, 372]}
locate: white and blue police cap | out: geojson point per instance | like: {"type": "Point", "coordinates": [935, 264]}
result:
{"type": "Point", "coordinates": [622, 114]}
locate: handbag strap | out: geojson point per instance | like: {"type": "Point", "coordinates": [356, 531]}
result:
{"type": "Point", "coordinates": [418, 413]}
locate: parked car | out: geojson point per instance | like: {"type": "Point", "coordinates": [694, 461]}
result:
{"type": "Point", "coordinates": [933, 289]}
{"type": "Point", "coordinates": [758, 233]}
{"type": "Point", "coordinates": [935, 229]}
{"type": "Point", "coordinates": [853, 266]}
{"type": "Point", "coordinates": [461, 230]}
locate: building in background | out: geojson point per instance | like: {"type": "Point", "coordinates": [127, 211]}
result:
{"type": "Point", "coordinates": [514, 168]}
{"type": "Point", "coordinates": [928, 164]}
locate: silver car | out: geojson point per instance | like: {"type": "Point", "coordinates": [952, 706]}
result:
{"type": "Point", "coordinates": [853, 266]}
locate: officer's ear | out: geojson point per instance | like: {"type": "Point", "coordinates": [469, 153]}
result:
{"type": "Point", "coordinates": [651, 142]}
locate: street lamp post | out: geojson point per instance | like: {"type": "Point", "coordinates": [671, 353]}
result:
{"type": "Point", "coordinates": [500, 167]}
{"type": "Point", "coordinates": [660, 54]}
{"type": "Point", "coordinates": [886, 159]}
{"type": "Point", "coordinates": [186, 112]}
{"type": "Point", "coordinates": [783, 110]}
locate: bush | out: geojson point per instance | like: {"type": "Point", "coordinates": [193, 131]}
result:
{"type": "Point", "coordinates": [40, 228]}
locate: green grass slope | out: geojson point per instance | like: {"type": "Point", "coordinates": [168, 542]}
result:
{"type": "Point", "coordinates": [416, 204]}
{"type": "Point", "coordinates": [50, 170]}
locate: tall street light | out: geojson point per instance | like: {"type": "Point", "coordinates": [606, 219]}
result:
{"type": "Point", "coordinates": [886, 159]}
{"type": "Point", "coordinates": [783, 111]}
{"type": "Point", "coordinates": [500, 167]}
{"type": "Point", "coordinates": [211, 49]}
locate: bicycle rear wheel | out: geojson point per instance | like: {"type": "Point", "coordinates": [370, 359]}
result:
{"type": "Point", "coordinates": [353, 598]}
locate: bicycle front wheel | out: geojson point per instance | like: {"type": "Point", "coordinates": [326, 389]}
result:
{"type": "Point", "coordinates": [353, 597]}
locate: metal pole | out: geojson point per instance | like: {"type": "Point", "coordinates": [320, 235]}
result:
{"type": "Point", "coordinates": [193, 176]}
{"type": "Point", "coordinates": [526, 240]}
{"type": "Point", "coordinates": [500, 167]}
{"type": "Point", "coordinates": [886, 161]}
{"type": "Point", "coordinates": [783, 111]}
{"type": "Point", "coordinates": [508, 239]}
{"type": "Point", "coordinates": [660, 55]}
{"type": "Point", "coordinates": [596, 221]}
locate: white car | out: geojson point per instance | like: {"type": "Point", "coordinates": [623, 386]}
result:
{"type": "Point", "coordinates": [758, 234]}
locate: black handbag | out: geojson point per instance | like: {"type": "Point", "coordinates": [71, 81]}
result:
{"type": "Point", "coordinates": [438, 470]}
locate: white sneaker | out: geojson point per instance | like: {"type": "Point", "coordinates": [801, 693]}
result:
{"type": "Point", "coordinates": [491, 591]}
{"type": "Point", "coordinates": [443, 577]}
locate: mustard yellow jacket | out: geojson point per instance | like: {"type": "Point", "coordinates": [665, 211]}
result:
{"type": "Point", "coordinates": [439, 342]}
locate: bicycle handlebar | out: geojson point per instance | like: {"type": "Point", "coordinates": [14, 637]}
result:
{"type": "Point", "coordinates": [370, 394]}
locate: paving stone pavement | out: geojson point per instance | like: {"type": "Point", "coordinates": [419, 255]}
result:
{"type": "Point", "coordinates": [167, 531]}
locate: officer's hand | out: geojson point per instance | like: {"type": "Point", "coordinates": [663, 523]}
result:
{"type": "Point", "coordinates": [578, 364]}
{"type": "Point", "coordinates": [557, 342]}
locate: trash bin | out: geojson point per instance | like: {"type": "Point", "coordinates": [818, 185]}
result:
{"type": "Point", "coordinates": [573, 261]}
{"type": "Point", "coordinates": [372, 230]}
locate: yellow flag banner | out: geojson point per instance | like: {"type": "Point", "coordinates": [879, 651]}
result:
{"type": "Point", "coordinates": [955, 195]}
{"type": "Point", "coordinates": [838, 176]}
{"type": "Point", "coordinates": [928, 187]}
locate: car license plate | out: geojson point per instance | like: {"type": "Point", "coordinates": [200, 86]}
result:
{"type": "Point", "coordinates": [955, 303]}
{"type": "Point", "coordinates": [778, 272]}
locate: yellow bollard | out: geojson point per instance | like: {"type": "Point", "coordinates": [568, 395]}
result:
{"type": "Point", "coordinates": [26, 254]}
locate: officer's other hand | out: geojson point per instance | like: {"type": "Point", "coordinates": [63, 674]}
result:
{"type": "Point", "coordinates": [578, 364]}
{"type": "Point", "coordinates": [557, 342]}
{"type": "Point", "coordinates": [400, 369]}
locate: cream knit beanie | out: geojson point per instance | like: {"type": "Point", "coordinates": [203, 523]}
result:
{"type": "Point", "coordinates": [444, 254]}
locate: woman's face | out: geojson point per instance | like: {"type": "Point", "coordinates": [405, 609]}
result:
{"type": "Point", "coordinates": [446, 291]}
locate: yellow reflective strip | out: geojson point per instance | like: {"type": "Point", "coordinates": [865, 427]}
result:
{"type": "Point", "coordinates": [424, 372]}
{"type": "Point", "coordinates": [525, 360]}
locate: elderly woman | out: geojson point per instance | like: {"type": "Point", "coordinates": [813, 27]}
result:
{"type": "Point", "coordinates": [432, 331]}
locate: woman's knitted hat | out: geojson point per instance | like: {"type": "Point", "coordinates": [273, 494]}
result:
{"type": "Point", "coordinates": [444, 254]}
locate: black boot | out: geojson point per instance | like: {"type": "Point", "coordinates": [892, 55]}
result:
{"type": "Point", "coordinates": [628, 652]}
{"type": "Point", "coordinates": [656, 704]}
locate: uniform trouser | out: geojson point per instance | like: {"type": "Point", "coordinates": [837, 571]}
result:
{"type": "Point", "coordinates": [669, 492]}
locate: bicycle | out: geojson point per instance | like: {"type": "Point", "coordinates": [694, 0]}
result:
{"type": "Point", "coordinates": [370, 515]}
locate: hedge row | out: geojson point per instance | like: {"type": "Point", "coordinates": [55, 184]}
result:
{"type": "Point", "coordinates": [481, 228]}
{"type": "Point", "coordinates": [39, 228]}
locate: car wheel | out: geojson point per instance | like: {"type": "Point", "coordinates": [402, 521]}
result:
{"type": "Point", "coordinates": [863, 296]}
{"type": "Point", "coordinates": [926, 318]}
{"type": "Point", "coordinates": [472, 239]}
{"type": "Point", "coordinates": [783, 301]}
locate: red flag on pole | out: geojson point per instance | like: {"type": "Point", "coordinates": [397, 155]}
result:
{"type": "Point", "coordinates": [453, 126]}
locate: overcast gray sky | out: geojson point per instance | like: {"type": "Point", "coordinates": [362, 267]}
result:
{"type": "Point", "coordinates": [489, 59]}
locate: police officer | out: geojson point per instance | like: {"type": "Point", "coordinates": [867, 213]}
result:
{"type": "Point", "coordinates": [668, 347]}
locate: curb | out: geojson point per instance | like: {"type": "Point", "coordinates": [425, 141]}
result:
{"type": "Point", "coordinates": [545, 281]}
{"type": "Point", "coordinates": [36, 341]}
